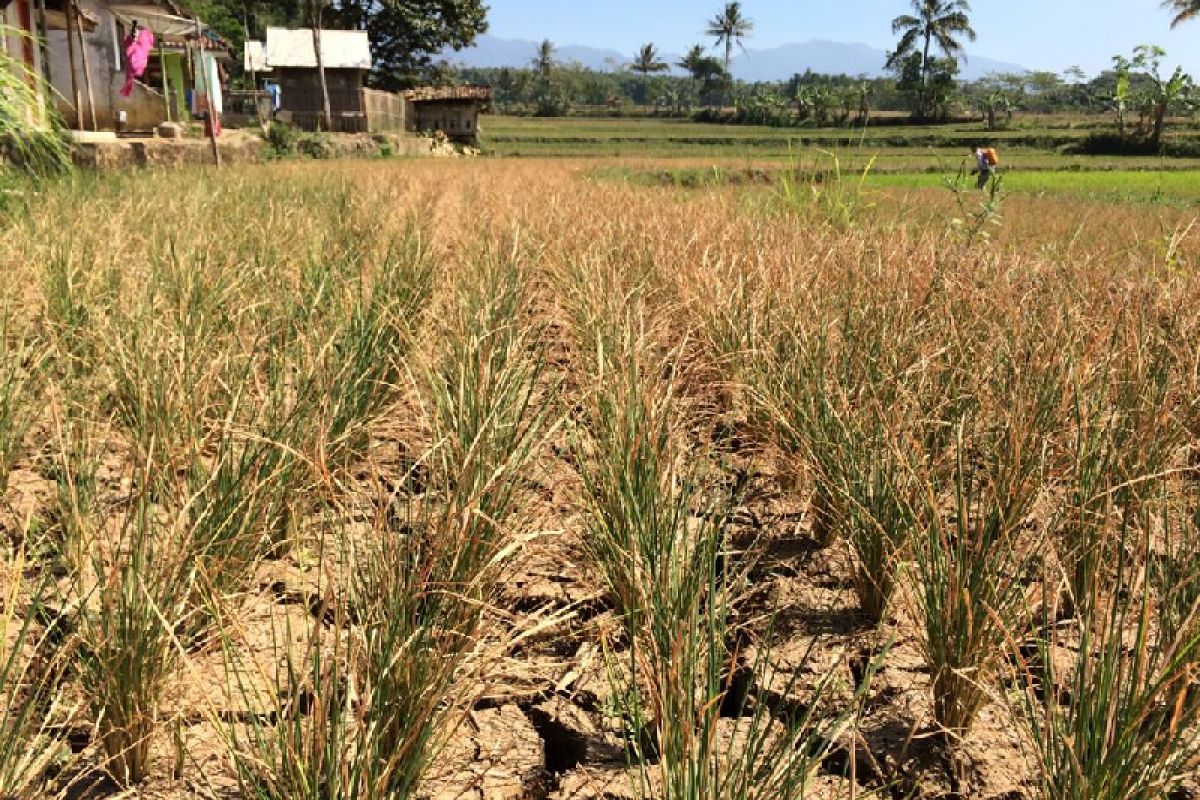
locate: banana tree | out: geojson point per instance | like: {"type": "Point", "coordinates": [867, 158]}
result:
{"type": "Point", "coordinates": [1119, 100]}
{"type": "Point", "coordinates": [1165, 94]}
{"type": "Point", "coordinates": [994, 103]}
{"type": "Point", "coordinates": [864, 91]}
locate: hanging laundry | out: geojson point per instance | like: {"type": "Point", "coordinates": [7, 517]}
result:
{"type": "Point", "coordinates": [138, 45]}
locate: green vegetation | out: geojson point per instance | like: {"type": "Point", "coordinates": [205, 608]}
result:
{"type": "Point", "coordinates": [1036, 160]}
{"type": "Point", "coordinates": [649, 138]}
{"type": "Point", "coordinates": [933, 22]}
{"type": "Point", "coordinates": [29, 133]}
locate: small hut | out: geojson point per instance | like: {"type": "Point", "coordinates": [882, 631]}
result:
{"type": "Point", "coordinates": [291, 58]}
{"type": "Point", "coordinates": [453, 110]}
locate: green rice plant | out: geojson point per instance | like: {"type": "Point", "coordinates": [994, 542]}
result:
{"type": "Point", "coordinates": [29, 702]}
{"type": "Point", "coordinates": [1121, 718]}
{"type": "Point", "coordinates": [127, 644]}
{"type": "Point", "coordinates": [172, 361]}
{"type": "Point", "coordinates": [72, 466]}
{"type": "Point", "coordinates": [236, 513]}
{"type": "Point", "coordinates": [1125, 437]}
{"type": "Point", "coordinates": [1174, 565]}
{"type": "Point", "coordinates": [881, 521]}
{"type": "Point", "coordinates": [307, 750]}
{"type": "Point", "coordinates": [661, 543]}
{"type": "Point", "coordinates": [791, 386]}
{"type": "Point", "coordinates": [968, 572]}
{"type": "Point", "coordinates": [20, 364]}
{"type": "Point", "coordinates": [69, 309]}
{"type": "Point", "coordinates": [822, 387]}
{"type": "Point", "coordinates": [972, 563]}
{"type": "Point", "coordinates": [362, 363]}
{"type": "Point", "coordinates": [30, 133]}
{"type": "Point", "coordinates": [367, 706]}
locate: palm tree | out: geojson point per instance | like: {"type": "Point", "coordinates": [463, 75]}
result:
{"type": "Point", "coordinates": [1183, 10]}
{"type": "Point", "coordinates": [646, 63]}
{"type": "Point", "coordinates": [933, 21]}
{"type": "Point", "coordinates": [730, 27]}
{"type": "Point", "coordinates": [692, 62]}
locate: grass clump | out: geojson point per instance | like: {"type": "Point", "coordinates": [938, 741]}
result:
{"type": "Point", "coordinates": [130, 604]}
{"type": "Point", "coordinates": [20, 361]}
{"type": "Point", "coordinates": [31, 706]}
{"type": "Point", "coordinates": [1112, 707]}
{"type": "Point", "coordinates": [368, 702]}
{"type": "Point", "coordinates": [657, 529]}
{"type": "Point", "coordinates": [972, 561]}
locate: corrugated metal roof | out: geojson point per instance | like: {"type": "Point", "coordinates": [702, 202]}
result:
{"type": "Point", "coordinates": [288, 47]}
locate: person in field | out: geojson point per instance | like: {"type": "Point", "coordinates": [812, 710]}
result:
{"type": "Point", "coordinates": [983, 167]}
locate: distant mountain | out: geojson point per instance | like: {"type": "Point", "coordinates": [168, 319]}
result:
{"type": "Point", "coordinates": [771, 64]}
{"type": "Point", "coordinates": [492, 51]}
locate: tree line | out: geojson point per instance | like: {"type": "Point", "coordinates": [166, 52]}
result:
{"type": "Point", "coordinates": [922, 80]}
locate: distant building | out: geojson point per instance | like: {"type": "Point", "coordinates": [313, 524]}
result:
{"type": "Point", "coordinates": [453, 110]}
{"type": "Point", "coordinates": [291, 60]}
{"type": "Point", "coordinates": [288, 59]}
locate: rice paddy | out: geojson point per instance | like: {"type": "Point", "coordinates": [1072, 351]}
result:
{"type": "Point", "coordinates": [566, 478]}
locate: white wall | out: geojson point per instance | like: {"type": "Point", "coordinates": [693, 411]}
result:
{"type": "Point", "coordinates": [144, 109]}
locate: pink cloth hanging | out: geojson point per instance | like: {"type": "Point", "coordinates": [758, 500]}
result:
{"type": "Point", "coordinates": [137, 56]}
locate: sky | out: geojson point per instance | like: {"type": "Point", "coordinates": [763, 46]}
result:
{"type": "Point", "coordinates": [1037, 34]}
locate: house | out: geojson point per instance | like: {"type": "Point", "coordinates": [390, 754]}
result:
{"type": "Point", "coordinates": [290, 58]}
{"type": "Point", "coordinates": [87, 63]}
{"type": "Point", "coordinates": [19, 36]}
{"type": "Point", "coordinates": [453, 110]}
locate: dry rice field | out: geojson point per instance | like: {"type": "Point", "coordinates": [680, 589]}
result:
{"type": "Point", "coordinates": [487, 479]}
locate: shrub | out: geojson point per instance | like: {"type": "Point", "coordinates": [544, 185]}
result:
{"type": "Point", "coordinates": [1103, 143]}
{"type": "Point", "coordinates": [282, 138]}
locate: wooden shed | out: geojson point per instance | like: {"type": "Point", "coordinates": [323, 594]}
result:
{"type": "Point", "coordinates": [453, 110]}
{"type": "Point", "coordinates": [290, 59]}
